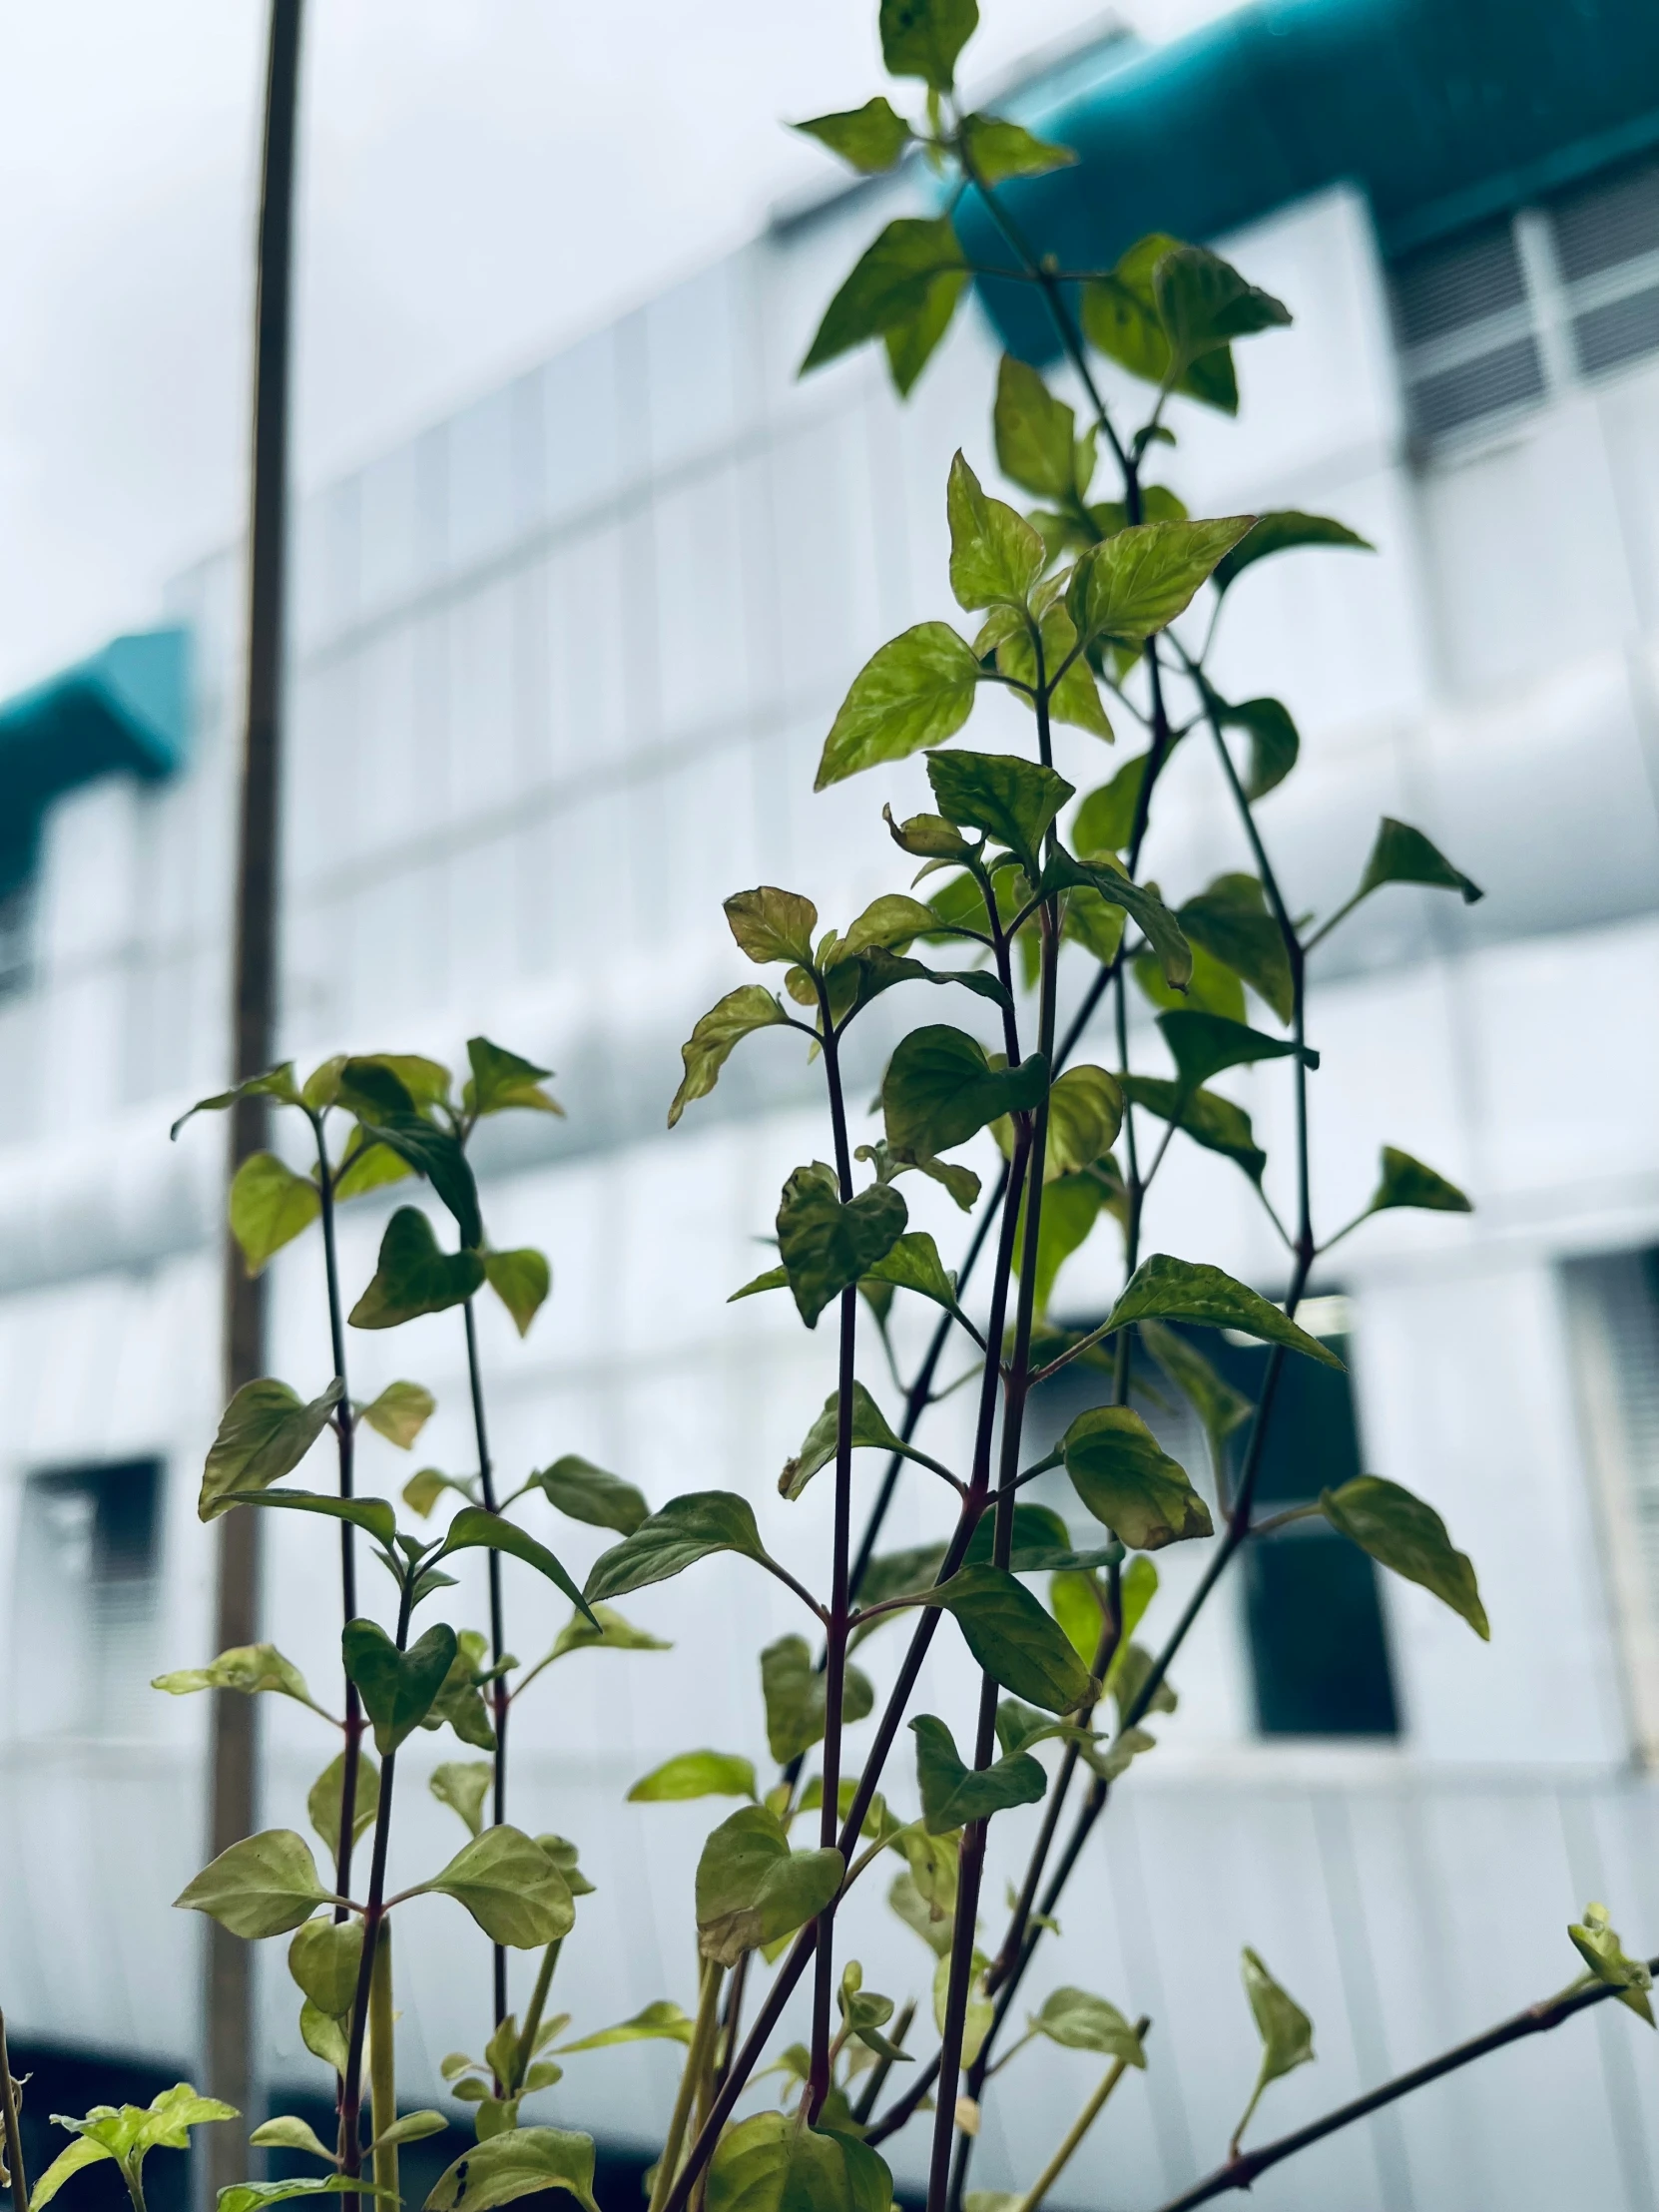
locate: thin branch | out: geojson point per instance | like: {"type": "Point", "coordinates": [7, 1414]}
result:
{"type": "Point", "coordinates": [1537, 2020]}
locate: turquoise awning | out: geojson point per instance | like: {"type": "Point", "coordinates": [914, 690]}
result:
{"type": "Point", "coordinates": [127, 709]}
{"type": "Point", "coordinates": [1442, 112]}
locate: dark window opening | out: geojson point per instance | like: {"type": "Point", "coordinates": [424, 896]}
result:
{"type": "Point", "coordinates": [84, 1602]}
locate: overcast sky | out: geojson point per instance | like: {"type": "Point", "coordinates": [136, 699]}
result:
{"type": "Point", "coordinates": [480, 179]}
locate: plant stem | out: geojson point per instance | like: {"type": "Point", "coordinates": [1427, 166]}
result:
{"type": "Point", "coordinates": [532, 2018]}
{"type": "Point", "coordinates": [350, 2110]}
{"type": "Point", "coordinates": [1085, 2120]}
{"type": "Point", "coordinates": [346, 1437]}
{"type": "Point", "coordinates": [382, 2065]}
{"type": "Point", "coordinates": [708, 2013]}
{"type": "Point", "coordinates": [14, 2134]}
{"type": "Point", "coordinates": [1537, 2020]}
{"type": "Point", "coordinates": [498, 1687]}
{"type": "Point", "coordinates": [835, 1663]}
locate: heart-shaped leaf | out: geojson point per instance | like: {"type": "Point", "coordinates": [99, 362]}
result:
{"type": "Point", "coordinates": [400, 1413]}
{"type": "Point", "coordinates": [414, 1276]}
{"type": "Point", "coordinates": [953, 1793]}
{"type": "Point", "coordinates": [521, 1280]}
{"type": "Point", "coordinates": [941, 1089]}
{"type": "Point", "coordinates": [752, 1888]}
{"type": "Point", "coordinates": [772, 2164]}
{"type": "Point", "coordinates": [825, 1245]}
{"type": "Point", "coordinates": [397, 1687]}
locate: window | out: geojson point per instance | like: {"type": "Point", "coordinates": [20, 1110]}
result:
{"type": "Point", "coordinates": [1318, 1644]}
{"type": "Point", "coordinates": [1613, 1315]}
{"type": "Point", "coordinates": [1496, 320]}
{"type": "Point", "coordinates": [85, 1598]}
{"type": "Point", "coordinates": [17, 919]}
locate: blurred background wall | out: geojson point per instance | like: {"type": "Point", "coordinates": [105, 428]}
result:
{"type": "Point", "coordinates": [561, 668]}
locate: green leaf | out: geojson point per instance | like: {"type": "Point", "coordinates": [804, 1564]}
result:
{"type": "Point", "coordinates": [613, 1633]}
{"type": "Point", "coordinates": [253, 2196]}
{"type": "Point", "coordinates": [825, 1245]}
{"type": "Point", "coordinates": [923, 38]}
{"type": "Point", "coordinates": [584, 1493]}
{"type": "Point", "coordinates": [696, 1774]}
{"type": "Point", "coordinates": [326, 1798]}
{"type": "Point", "coordinates": [869, 139]}
{"type": "Point", "coordinates": [793, 1689]}
{"type": "Point", "coordinates": [1121, 321]}
{"type": "Point", "coordinates": [771, 2163]}
{"type": "Point", "coordinates": [1139, 901]}
{"type": "Point", "coordinates": [511, 1887]}
{"type": "Point", "coordinates": [248, 1668]}
{"type": "Point", "coordinates": [1085, 1112]}
{"type": "Point", "coordinates": [893, 923]}
{"type": "Point", "coordinates": [262, 1885]}
{"type": "Point", "coordinates": [370, 1513]}
{"type": "Point", "coordinates": [869, 1431]}
{"type": "Point", "coordinates": [666, 1543]}
{"type": "Point", "coordinates": [911, 344]}
{"type": "Point", "coordinates": [423, 1491]}
{"type": "Point", "coordinates": [324, 2038]}
{"type": "Point", "coordinates": [324, 1960]}
{"type": "Point", "coordinates": [400, 1413]}
{"type": "Point", "coordinates": [1213, 989]}
{"type": "Point", "coordinates": [270, 1206]}
{"type": "Point", "coordinates": [437, 1155]}
{"type": "Point", "coordinates": [1285, 2030]}
{"type": "Point", "coordinates": [770, 1279]}
{"type": "Point", "coordinates": [995, 555]}
{"type": "Point", "coordinates": [953, 1793]}
{"type": "Point", "coordinates": [1403, 855]}
{"type": "Point", "coordinates": [913, 1264]}
{"type": "Point", "coordinates": [1075, 1600]}
{"type": "Point", "coordinates": [1105, 822]}
{"type": "Point", "coordinates": [1013, 1639]}
{"type": "Point", "coordinates": [475, 1529]}
{"type": "Point", "coordinates": [1208, 1118]}
{"type": "Point", "coordinates": [998, 148]}
{"type": "Point", "coordinates": [1071, 1207]}
{"type": "Point", "coordinates": [915, 691]}
{"type": "Point", "coordinates": [1278, 532]}
{"type": "Point", "coordinates": [752, 1888]}
{"type": "Point", "coordinates": [463, 1787]}
{"type": "Point", "coordinates": [414, 2127]}
{"type": "Point", "coordinates": [500, 1081]}
{"type": "Point", "coordinates": [1596, 1941]}
{"type": "Point", "coordinates": [278, 1083]}
{"type": "Point", "coordinates": [1129, 1483]}
{"type": "Point", "coordinates": [1041, 1542]}
{"type": "Point", "coordinates": [1274, 743]}
{"type": "Point", "coordinates": [1073, 696]}
{"type": "Point", "coordinates": [285, 2132]}
{"type": "Point", "coordinates": [706, 1052]}
{"type": "Point", "coordinates": [264, 1433]}
{"type": "Point", "coordinates": [460, 1701]}
{"type": "Point", "coordinates": [980, 2010]}
{"type": "Point", "coordinates": [772, 925]}
{"type": "Point", "coordinates": [1232, 922]}
{"type": "Point", "coordinates": [659, 2022]}
{"type": "Point", "coordinates": [1012, 801]}
{"type": "Point", "coordinates": [1220, 1407]}
{"type": "Point", "coordinates": [1137, 582]}
{"type": "Point", "coordinates": [1203, 1045]}
{"type": "Point", "coordinates": [366, 1165]}
{"type": "Point", "coordinates": [376, 1086]}
{"type": "Point", "coordinates": [1409, 1538]}
{"type": "Point", "coordinates": [521, 2163]}
{"type": "Point", "coordinates": [1406, 1182]}
{"type": "Point", "coordinates": [397, 1687]}
{"type": "Point", "coordinates": [1079, 2022]}
{"type": "Point", "coordinates": [1163, 1288]}
{"type": "Point", "coordinates": [1037, 434]}
{"type": "Point", "coordinates": [1203, 304]}
{"type": "Point", "coordinates": [913, 265]}
{"type": "Point", "coordinates": [521, 1280]}
{"type": "Point", "coordinates": [413, 1275]}
{"type": "Point", "coordinates": [941, 1089]}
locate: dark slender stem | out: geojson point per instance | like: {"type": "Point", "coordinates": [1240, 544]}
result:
{"type": "Point", "coordinates": [346, 1435]}
{"type": "Point", "coordinates": [350, 2149]}
{"type": "Point", "coordinates": [498, 1633]}
{"type": "Point", "coordinates": [1537, 2020]}
{"type": "Point", "coordinates": [835, 1665]}
{"type": "Point", "coordinates": [14, 2133]}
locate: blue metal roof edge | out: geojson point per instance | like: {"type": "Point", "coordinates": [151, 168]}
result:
{"type": "Point", "coordinates": [126, 709]}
